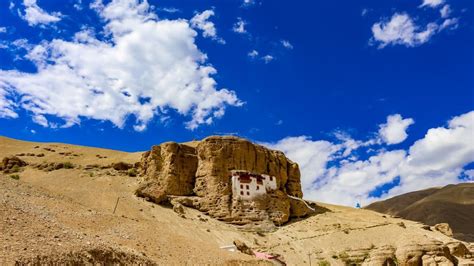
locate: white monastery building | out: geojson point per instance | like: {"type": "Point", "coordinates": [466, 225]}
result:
{"type": "Point", "coordinates": [247, 185]}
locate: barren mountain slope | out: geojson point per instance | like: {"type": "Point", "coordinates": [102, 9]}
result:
{"type": "Point", "coordinates": [66, 215]}
{"type": "Point", "coordinates": [452, 204]}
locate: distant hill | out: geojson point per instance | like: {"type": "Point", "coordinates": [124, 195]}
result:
{"type": "Point", "coordinates": [452, 204]}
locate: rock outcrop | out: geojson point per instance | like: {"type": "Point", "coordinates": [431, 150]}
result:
{"type": "Point", "coordinates": [200, 176]}
{"type": "Point", "coordinates": [410, 253]}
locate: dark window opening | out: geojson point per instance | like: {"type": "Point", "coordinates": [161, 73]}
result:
{"type": "Point", "coordinates": [248, 193]}
{"type": "Point", "coordinates": [247, 186]}
{"type": "Point", "coordinates": [258, 187]}
{"type": "Point", "coordinates": [241, 193]}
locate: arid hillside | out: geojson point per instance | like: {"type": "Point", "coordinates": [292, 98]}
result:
{"type": "Point", "coordinates": [452, 204]}
{"type": "Point", "coordinates": [70, 204]}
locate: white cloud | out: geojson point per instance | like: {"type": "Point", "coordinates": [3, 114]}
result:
{"type": "Point", "coordinates": [287, 44]}
{"type": "Point", "coordinates": [330, 174]}
{"type": "Point", "coordinates": [394, 131]}
{"type": "Point", "coordinates": [253, 53]}
{"type": "Point", "coordinates": [247, 3]}
{"type": "Point", "coordinates": [401, 29]}
{"type": "Point", "coordinates": [170, 9]}
{"type": "Point", "coordinates": [35, 15]}
{"type": "Point", "coordinates": [450, 23]}
{"type": "Point", "coordinates": [364, 12]}
{"type": "Point", "coordinates": [445, 11]}
{"type": "Point", "coordinates": [201, 21]}
{"type": "Point", "coordinates": [267, 58]}
{"type": "Point", "coordinates": [432, 3]}
{"type": "Point", "coordinates": [239, 26]}
{"type": "Point", "coordinates": [3, 29]}
{"type": "Point", "coordinates": [312, 157]}
{"type": "Point", "coordinates": [148, 68]}
{"type": "Point", "coordinates": [7, 106]}
{"type": "Point", "coordinates": [78, 5]}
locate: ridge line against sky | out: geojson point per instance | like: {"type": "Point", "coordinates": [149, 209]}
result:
{"type": "Point", "coordinates": [310, 81]}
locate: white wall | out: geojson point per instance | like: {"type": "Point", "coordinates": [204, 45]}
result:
{"type": "Point", "coordinates": [252, 189]}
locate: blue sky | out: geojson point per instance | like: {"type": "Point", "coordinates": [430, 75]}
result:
{"type": "Point", "coordinates": [359, 93]}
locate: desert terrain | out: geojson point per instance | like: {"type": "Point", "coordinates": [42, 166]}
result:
{"type": "Point", "coordinates": [74, 204]}
{"type": "Point", "coordinates": [452, 204]}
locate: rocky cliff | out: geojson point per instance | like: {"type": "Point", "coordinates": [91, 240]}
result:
{"type": "Point", "coordinates": [200, 176]}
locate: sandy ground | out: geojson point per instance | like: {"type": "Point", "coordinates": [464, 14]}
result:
{"type": "Point", "coordinates": [66, 210]}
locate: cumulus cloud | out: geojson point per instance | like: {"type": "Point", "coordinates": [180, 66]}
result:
{"type": "Point", "coordinates": [330, 174]}
{"type": "Point", "coordinates": [287, 44]}
{"type": "Point", "coordinates": [445, 11]}
{"type": "Point", "coordinates": [267, 58]}
{"type": "Point", "coordinates": [253, 54]}
{"type": "Point", "coordinates": [450, 23]}
{"type": "Point", "coordinates": [148, 68]}
{"type": "Point", "coordinates": [35, 15]}
{"type": "Point", "coordinates": [432, 3]}
{"type": "Point", "coordinates": [248, 3]}
{"type": "Point", "coordinates": [3, 29]}
{"type": "Point", "coordinates": [201, 21]}
{"type": "Point", "coordinates": [394, 131]}
{"type": "Point", "coordinates": [401, 29]}
{"type": "Point", "coordinates": [239, 26]}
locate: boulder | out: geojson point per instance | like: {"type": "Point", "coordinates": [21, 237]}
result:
{"type": "Point", "coordinates": [242, 247]}
{"type": "Point", "coordinates": [444, 228]}
{"type": "Point", "coordinates": [206, 172]}
{"type": "Point", "coordinates": [458, 249]}
{"type": "Point", "coordinates": [431, 253]}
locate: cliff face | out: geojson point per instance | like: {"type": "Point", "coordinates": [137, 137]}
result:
{"type": "Point", "coordinates": [201, 177]}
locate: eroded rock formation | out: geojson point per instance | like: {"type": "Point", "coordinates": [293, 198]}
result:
{"type": "Point", "coordinates": [199, 176]}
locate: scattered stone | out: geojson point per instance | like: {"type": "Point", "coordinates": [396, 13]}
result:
{"type": "Point", "coordinates": [444, 228]}
{"type": "Point", "coordinates": [178, 208]}
{"type": "Point", "coordinates": [242, 247]}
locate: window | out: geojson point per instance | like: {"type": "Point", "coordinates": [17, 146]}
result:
{"type": "Point", "coordinates": [241, 193]}
{"type": "Point", "coordinates": [258, 187]}
{"type": "Point", "coordinates": [241, 186]}
{"type": "Point", "coordinates": [271, 178]}
{"type": "Point", "coordinates": [248, 193]}
{"type": "Point", "coordinates": [247, 186]}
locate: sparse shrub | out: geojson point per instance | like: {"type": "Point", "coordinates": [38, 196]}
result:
{"type": "Point", "coordinates": [16, 177]}
{"type": "Point", "coordinates": [122, 166]}
{"type": "Point", "coordinates": [91, 174]}
{"type": "Point", "coordinates": [68, 165]}
{"type": "Point", "coordinates": [343, 255]}
{"type": "Point", "coordinates": [132, 172]}
{"type": "Point", "coordinates": [15, 169]}
{"type": "Point", "coordinates": [324, 263]}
